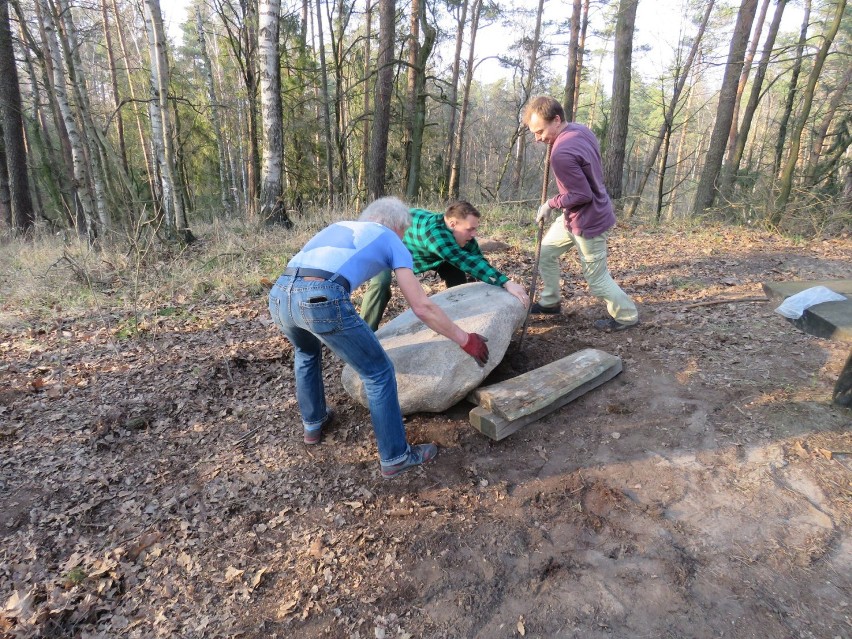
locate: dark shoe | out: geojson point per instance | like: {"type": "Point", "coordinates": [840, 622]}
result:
{"type": "Point", "coordinates": [611, 326]}
{"type": "Point", "coordinates": [420, 454]}
{"type": "Point", "coordinates": [538, 309]}
{"type": "Point", "coordinates": [313, 436]}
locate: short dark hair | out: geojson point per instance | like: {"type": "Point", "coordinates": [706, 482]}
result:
{"type": "Point", "coordinates": [545, 107]}
{"type": "Point", "coordinates": [460, 209]}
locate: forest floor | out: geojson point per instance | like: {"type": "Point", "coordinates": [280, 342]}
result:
{"type": "Point", "coordinates": [158, 486]}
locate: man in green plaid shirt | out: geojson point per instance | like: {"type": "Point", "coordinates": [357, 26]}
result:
{"type": "Point", "coordinates": [445, 244]}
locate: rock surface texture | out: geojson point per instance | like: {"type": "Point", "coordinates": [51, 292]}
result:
{"type": "Point", "coordinates": [433, 372]}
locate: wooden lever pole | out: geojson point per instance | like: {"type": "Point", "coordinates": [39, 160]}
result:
{"type": "Point", "coordinates": [531, 293]}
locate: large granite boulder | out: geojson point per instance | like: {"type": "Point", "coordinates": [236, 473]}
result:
{"type": "Point", "coordinates": [432, 372]}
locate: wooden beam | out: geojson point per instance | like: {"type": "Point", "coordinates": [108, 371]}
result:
{"type": "Point", "coordinates": [508, 406]}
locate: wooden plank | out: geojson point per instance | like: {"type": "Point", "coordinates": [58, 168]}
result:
{"type": "Point", "coordinates": [510, 405]}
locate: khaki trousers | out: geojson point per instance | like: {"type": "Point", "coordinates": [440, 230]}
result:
{"type": "Point", "coordinates": [592, 253]}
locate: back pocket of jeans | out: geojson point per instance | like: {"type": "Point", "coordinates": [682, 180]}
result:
{"type": "Point", "coordinates": [321, 317]}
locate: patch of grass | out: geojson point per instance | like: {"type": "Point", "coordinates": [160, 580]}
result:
{"type": "Point", "coordinates": [688, 285]}
{"type": "Point", "coordinates": [75, 576]}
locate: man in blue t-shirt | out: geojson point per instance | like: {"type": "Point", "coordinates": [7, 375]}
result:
{"type": "Point", "coordinates": [310, 304]}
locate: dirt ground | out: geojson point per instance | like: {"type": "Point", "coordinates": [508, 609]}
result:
{"type": "Point", "coordinates": [159, 487]}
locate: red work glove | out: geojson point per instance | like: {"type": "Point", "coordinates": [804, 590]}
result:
{"type": "Point", "coordinates": [476, 347]}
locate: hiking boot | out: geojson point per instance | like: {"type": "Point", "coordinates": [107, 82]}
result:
{"type": "Point", "coordinates": [538, 309]}
{"type": "Point", "coordinates": [313, 436]}
{"type": "Point", "coordinates": [420, 454]}
{"type": "Point", "coordinates": [609, 325]}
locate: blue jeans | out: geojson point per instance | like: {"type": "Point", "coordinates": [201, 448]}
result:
{"type": "Point", "coordinates": [312, 313]}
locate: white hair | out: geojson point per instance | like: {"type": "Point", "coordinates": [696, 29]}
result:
{"type": "Point", "coordinates": [388, 211]}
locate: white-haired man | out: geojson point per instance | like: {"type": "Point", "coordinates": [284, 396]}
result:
{"type": "Point", "coordinates": [310, 304]}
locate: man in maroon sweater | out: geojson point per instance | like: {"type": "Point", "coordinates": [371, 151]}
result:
{"type": "Point", "coordinates": [586, 214]}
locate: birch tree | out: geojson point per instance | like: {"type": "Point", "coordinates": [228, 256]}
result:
{"type": "Point", "coordinates": [86, 220]}
{"type": "Point", "coordinates": [271, 190]}
{"type": "Point", "coordinates": [227, 198]}
{"type": "Point", "coordinates": [161, 124]}
{"type": "Point", "coordinates": [96, 153]}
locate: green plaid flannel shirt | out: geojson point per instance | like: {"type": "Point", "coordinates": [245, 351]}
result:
{"type": "Point", "coordinates": [431, 242]}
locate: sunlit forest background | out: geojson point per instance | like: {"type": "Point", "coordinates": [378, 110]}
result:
{"type": "Point", "coordinates": [267, 111]}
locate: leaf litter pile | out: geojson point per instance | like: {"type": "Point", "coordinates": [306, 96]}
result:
{"type": "Point", "coordinates": [157, 485]}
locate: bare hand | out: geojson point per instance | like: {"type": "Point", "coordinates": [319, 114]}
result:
{"type": "Point", "coordinates": [518, 291]}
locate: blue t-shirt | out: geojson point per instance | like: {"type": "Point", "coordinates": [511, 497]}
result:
{"type": "Point", "coordinates": [356, 250]}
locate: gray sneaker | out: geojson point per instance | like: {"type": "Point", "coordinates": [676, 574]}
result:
{"type": "Point", "coordinates": [420, 454]}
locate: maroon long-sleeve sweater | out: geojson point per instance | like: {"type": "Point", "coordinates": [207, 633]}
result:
{"type": "Point", "coordinates": [577, 167]}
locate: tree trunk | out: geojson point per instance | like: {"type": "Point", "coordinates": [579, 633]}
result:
{"type": "Point", "coordinates": [617, 137]}
{"type": "Point", "coordinates": [707, 188]}
{"type": "Point", "coordinates": [5, 195]}
{"type": "Point", "coordinates": [89, 133]}
{"type": "Point", "coordinates": [45, 167]}
{"type": "Point", "coordinates": [661, 178]}
{"type": "Point", "coordinates": [22, 214]}
{"type": "Point", "coordinates": [116, 98]}
{"type": "Point", "coordinates": [791, 92]}
{"type": "Point", "coordinates": [272, 209]}
{"type": "Point", "coordinates": [520, 154]}
{"type": "Point", "coordinates": [455, 173]}
{"type": "Point", "coordinates": [811, 173]}
{"type": "Point", "coordinates": [749, 58]}
{"type": "Point", "coordinates": [573, 55]}
{"type": "Point", "coordinates": [581, 50]}
{"type": "Point", "coordinates": [57, 167]}
{"type": "Point", "coordinates": [679, 159]}
{"type": "Point", "coordinates": [156, 197]}
{"type": "Point", "coordinates": [449, 146]}
{"type": "Point", "coordinates": [60, 91]}
{"type": "Point", "coordinates": [341, 104]}
{"type": "Point", "coordinates": [365, 132]}
{"type": "Point", "coordinates": [419, 122]}
{"type": "Point", "coordinates": [668, 118]}
{"type": "Point", "coordinates": [730, 174]}
{"type": "Point", "coordinates": [242, 39]}
{"type": "Point", "coordinates": [411, 87]}
{"type": "Point", "coordinates": [384, 86]}
{"type": "Point", "coordinates": [207, 69]}
{"type": "Point", "coordinates": [326, 114]}
{"type": "Point", "coordinates": [785, 181]}
{"type": "Point", "coordinates": [161, 126]}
